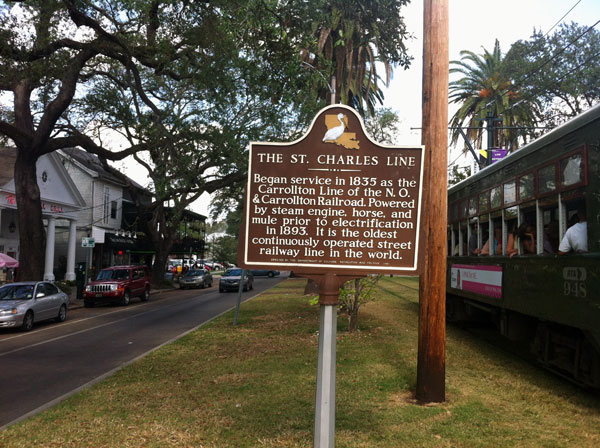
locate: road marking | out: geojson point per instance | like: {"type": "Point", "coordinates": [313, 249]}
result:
{"type": "Point", "coordinates": [105, 375]}
{"type": "Point", "coordinates": [58, 338]}
{"type": "Point", "coordinates": [76, 321]}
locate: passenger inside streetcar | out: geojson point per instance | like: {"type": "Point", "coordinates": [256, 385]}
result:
{"type": "Point", "coordinates": [526, 233]}
{"type": "Point", "coordinates": [496, 247]}
{"type": "Point", "coordinates": [512, 248]}
{"type": "Point", "coordinates": [473, 249]}
{"type": "Point", "coordinates": [575, 239]}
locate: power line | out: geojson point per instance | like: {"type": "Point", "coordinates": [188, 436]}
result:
{"type": "Point", "coordinates": [528, 75]}
{"type": "Point", "coordinates": [561, 51]}
{"type": "Point", "coordinates": [561, 19]}
{"type": "Point", "coordinates": [556, 81]}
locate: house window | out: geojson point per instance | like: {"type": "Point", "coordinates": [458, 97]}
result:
{"type": "Point", "coordinates": [113, 209]}
{"type": "Point", "coordinates": [106, 205]}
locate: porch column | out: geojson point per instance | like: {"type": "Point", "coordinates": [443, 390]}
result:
{"type": "Point", "coordinates": [50, 239]}
{"type": "Point", "coordinates": [70, 274]}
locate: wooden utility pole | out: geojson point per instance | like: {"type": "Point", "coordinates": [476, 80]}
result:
{"type": "Point", "coordinates": [431, 367]}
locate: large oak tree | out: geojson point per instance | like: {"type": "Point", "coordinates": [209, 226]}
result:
{"type": "Point", "coordinates": [246, 85]}
{"type": "Point", "coordinates": [50, 52]}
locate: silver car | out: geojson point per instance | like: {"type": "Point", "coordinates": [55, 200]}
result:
{"type": "Point", "coordinates": [196, 278]}
{"type": "Point", "coordinates": [23, 303]}
{"type": "Point", "coordinates": [230, 280]}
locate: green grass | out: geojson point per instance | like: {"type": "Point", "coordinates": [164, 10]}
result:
{"type": "Point", "coordinates": [253, 386]}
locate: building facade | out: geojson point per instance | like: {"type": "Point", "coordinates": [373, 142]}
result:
{"type": "Point", "coordinates": [61, 205]}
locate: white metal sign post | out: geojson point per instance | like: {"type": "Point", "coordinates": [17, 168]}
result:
{"type": "Point", "coordinates": [325, 402]}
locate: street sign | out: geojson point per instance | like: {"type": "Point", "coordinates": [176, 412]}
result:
{"type": "Point", "coordinates": [88, 242]}
{"type": "Point", "coordinates": [498, 154]}
{"type": "Point", "coordinates": [333, 200]}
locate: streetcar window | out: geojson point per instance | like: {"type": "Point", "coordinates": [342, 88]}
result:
{"type": "Point", "coordinates": [550, 219]}
{"type": "Point", "coordinates": [511, 247]}
{"type": "Point", "coordinates": [526, 187]}
{"type": "Point", "coordinates": [571, 170]}
{"type": "Point", "coordinates": [474, 243]}
{"type": "Point", "coordinates": [463, 209]}
{"type": "Point", "coordinates": [573, 212]}
{"type": "Point", "coordinates": [484, 233]}
{"type": "Point", "coordinates": [496, 197]}
{"type": "Point", "coordinates": [547, 179]}
{"type": "Point", "coordinates": [484, 202]}
{"type": "Point", "coordinates": [461, 248]}
{"type": "Point", "coordinates": [573, 218]}
{"type": "Point", "coordinates": [473, 206]}
{"type": "Point", "coordinates": [527, 231]}
{"type": "Point", "coordinates": [510, 192]}
{"type": "Point", "coordinates": [493, 244]}
{"type": "Point", "coordinates": [511, 212]}
{"type": "Point", "coordinates": [453, 213]}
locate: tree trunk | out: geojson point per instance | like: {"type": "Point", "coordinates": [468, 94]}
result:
{"type": "Point", "coordinates": [162, 245]}
{"type": "Point", "coordinates": [32, 238]}
{"type": "Point", "coordinates": [158, 268]}
{"type": "Point", "coordinates": [353, 320]}
{"type": "Point", "coordinates": [162, 238]}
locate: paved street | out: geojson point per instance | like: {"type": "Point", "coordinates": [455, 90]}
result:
{"type": "Point", "coordinates": [44, 366]}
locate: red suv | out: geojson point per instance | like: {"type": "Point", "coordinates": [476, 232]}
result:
{"type": "Point", "coordinates": [118, 284]}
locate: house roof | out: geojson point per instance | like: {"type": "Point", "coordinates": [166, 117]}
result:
{"type": "Point", "coordinates": [54, 182]}
{"type": "Point", "coordinates": [93, 163]}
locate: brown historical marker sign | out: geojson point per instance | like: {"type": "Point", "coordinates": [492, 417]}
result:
{"type": "Point", "coordinates": [333, 201]}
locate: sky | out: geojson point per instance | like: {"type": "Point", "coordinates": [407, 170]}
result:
{"type": "Point", "coordinates": [473, 25]}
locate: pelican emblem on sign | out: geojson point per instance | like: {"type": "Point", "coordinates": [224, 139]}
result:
{"type": "Point", "coordinates": [336, 132]}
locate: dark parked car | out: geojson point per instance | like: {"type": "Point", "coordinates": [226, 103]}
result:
{"type": "Point", "coordinates": [196, 278]}
{"type": "Point", "coordinates": [264, 272]}
{"type": "Point", "coordinates": [118, 284]}
{"type": "Point", "coordinates": [230, 280]}
{"type": "Point", "coordinates": [23, 303]}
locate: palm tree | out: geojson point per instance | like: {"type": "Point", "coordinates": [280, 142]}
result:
{"type": "Point", "coordinates": [486, 89]}
{"type": "Point", "coordinates": [352, 39]}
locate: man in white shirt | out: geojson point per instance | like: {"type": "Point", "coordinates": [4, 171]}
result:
{"type": "Point", "coordinates": [575, 238]}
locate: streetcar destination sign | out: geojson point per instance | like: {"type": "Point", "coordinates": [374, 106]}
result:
{"type": "Point", "coordinates": [333, 200]}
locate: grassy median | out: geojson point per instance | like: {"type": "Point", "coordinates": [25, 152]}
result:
{"type": "Point", "coordinates": [253, 386]}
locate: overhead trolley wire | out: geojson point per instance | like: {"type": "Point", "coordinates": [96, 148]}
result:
{"type": "Point", "coordinates": [528, 75]}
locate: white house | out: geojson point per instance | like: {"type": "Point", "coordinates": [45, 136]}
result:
{"type": "Point", "coordinates": [61, 203]}
{"type": "Point", "coordinates": [104, 191]}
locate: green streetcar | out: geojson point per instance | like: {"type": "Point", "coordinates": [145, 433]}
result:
{"type": "Point", "coordinates": [526, 202]}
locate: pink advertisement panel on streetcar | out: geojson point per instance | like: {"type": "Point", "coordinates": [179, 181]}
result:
{"type": "Point", "coordinates": [480, 279]}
